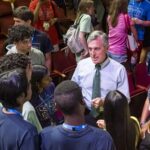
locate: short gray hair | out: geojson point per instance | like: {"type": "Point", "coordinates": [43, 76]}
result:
{"type": "Point", "coordinates": [95, 34]}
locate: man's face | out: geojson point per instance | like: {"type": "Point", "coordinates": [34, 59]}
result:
{"type": "Point", "coordinates": [18, 21]}
{"type": "Point", "coordinates": [24, 46]}
{"type": "Point", "coordinates": [97, 50]}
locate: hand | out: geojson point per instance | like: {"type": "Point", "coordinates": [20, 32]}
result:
{"type": "Point", "coordinates": [137, 21]}
{"type": "Point", "coordinates": [145, 127]}
{"type": "Point", "coordinates": [101, 123]}
{"type": "Point", "coordinates": [97, 102]}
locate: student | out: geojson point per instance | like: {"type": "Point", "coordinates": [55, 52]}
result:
{"type": "Point", "coordinates": [44, 19]}
{"type": "Point", "coordinates": [15, 133]}
{"type": "Point", "coordinates": [124, 129]}
{"type": "Point", "coordinates": [40, 40]}
{"type": "Point", "coordinates": [14, 61]}
{"type": "Point", "coordinates": [74, 133]}
{"type": "Point", "coordinates": [42, 97]}
{"type": "Point", "coordinates": [119, 23]}
{"type": "Point", "coordinates": [85, 10]}
{"type": "Point", "coordinates": [20, 36]}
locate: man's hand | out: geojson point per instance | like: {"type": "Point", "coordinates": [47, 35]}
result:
{"type": "Point", "coordinates": [101, 123]}
{"type": "Point", "coordinates": [97, 102]}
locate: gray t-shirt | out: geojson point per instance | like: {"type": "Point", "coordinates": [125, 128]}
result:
{"type": "Point", "coordinates": [37, 57]}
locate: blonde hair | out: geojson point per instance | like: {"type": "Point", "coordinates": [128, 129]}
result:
{"type": "Point", "coordinates": [82, 8]}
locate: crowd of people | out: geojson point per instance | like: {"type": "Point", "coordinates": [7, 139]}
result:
{"type": "Point", "coordinates": [91, 111]}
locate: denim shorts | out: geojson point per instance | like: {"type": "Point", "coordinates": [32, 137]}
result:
{"type": "Point", "coordinates": [119, 58]}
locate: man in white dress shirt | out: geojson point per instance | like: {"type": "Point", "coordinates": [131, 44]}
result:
{"type": "Point", "coordinates": [113, 74]}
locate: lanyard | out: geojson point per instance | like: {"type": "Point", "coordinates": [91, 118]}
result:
{"type": "Point", "coordinates": [14, 111]}
{"type": "Point", "coordinates": [74, 128]}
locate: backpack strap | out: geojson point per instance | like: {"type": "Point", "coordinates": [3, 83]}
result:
{"type": "Point", "coordinates": [77, 22]}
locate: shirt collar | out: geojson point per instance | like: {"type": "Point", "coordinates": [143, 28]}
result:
{"type": "Point", "coordinates": [105, 62]}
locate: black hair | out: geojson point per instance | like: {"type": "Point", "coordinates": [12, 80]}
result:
{"type": "Point", "coordinates": [23, 13]}
{"type": "Point", "coordinates": [12, 85]}
{"type": "Point", "coordinates": [13, 61]}
{"type": "Point", "coordinates": [38, 72]}
{"type": "Point", "coordinates": [67, 96]}
{"type": "Point", "coordinates": [19, 33]}
{"type": "Point", "coordinates": [118, 122]}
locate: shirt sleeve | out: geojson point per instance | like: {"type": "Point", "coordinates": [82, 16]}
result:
{"type": "Point", "coordinates": [75, 76]}
{"type": "Point", "coordinates": [122, 83]}
{"type": "Point", "coordinates": [32, 117]}
{"type": "Point", "coordinates": [85, 24]}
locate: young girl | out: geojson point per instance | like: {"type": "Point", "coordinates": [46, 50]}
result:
{"type": "Point", "coordinates": [118, 30]}
{"type": "Point", "coordinates": [85, 10]}
{"type": "Point", "coordinates": [42, 97]}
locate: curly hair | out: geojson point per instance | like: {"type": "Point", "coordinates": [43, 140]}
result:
{"type": "Point", "coordinates": [13, 61]}
{"type": "Point", "coordinates": [19, 33]}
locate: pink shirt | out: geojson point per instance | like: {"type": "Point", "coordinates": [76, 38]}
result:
{"type": "Point", "coordinates": [118, 36]}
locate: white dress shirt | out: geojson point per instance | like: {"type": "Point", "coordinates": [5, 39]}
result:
{"type": "Point", "coordinates": [113, 77]}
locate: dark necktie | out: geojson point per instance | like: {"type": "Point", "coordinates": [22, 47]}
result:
{"type": "Point", "coordinates": [96, 89]}
{"type": "Point", "coordinates": [96, 82]}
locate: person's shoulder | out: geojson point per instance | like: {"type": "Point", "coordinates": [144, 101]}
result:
{"type": "Point", "coordinates": [85, 16]}
{"type": "Point", "coordinates": [115, 63]}
{"type": "Point", "coordinates": [35, 50]}
{"type": "Point", "coordinates": [27, 105]}
{"type": "Point", "coordinates": [101, 135]}
{"type": "Point", "coordinates": [21, 125]}
{"type": "Point", "coordinates": [85, 61]}
{"type": "Point", "coordinates": [41, 33]}
{"type": "Point", "coordinates": [49, 131]}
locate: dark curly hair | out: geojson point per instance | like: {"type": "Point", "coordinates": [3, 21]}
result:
{"type": "Point", "coordinates": [13, 61]}
{"type": "Point", "coordinates": [19, 33]}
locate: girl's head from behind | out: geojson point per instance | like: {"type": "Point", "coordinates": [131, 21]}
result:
{"type": "Point", "coordinates": [117, 7]}
{"type": "Point", "coordinates": [86, 6]}
{"type": "Point", "coordinates": [117, 118]}
{"type": "Point", "coordinates": [40, 78]}
{"type": "Point", "coordinates": [116, 106]}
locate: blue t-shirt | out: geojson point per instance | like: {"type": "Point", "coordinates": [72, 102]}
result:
{"type": "Point", "coordinates": [140, 10]}
{"type": "Point", "coordinates": [16, 133]}
{"type": "Point", "coordinates": [41, 41]}
{"type": "Point", "coordinates": [89, 138]}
